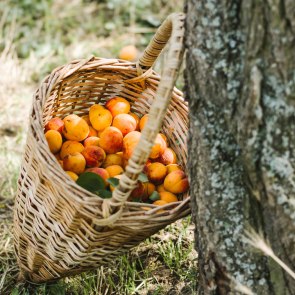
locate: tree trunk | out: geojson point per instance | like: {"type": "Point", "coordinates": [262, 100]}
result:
{"type": "Point", "coordinates": [240, 84]}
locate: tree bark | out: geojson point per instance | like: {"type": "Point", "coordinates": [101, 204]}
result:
{"type": "Point", "coordinates": [240, 84]}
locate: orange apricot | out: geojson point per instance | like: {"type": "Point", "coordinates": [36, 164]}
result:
{"type": "Point", "coordinates": [94, 156]}
{"type": "Point", "coordinates": [129, 143]}
{"type": "Point", "coordinates": [156, 172]}
{"type": "Point", "coordinates": [149, 188]}
{"type": "Point", "coordinates": [158, 148]}
{"type": "Point", "coordinates": [136, 120]}
{"type": "Point", "coordinates": [113, 159]}
{"type": "Point", "coordinates": [165, 138]}
{"type": "Point", "coordinates": [137, 192]}
{"type": "Point", "coordinates": [172, 167]}
{"type": "Point", "coordinates": [92, 132]}
{"type": "Point", "coordinates": [129, 53]}
{"type": "Point", "coordinates": [73, 175]}
{"type": "Point", "coordinates": [160, 202]}
{"type": "Point", "coordinates": [100, 117]}
{"type": "Point", "coordinates": [92, 140]}
{"type": "Point", "coordinates": [56, 124]}
{"type": "Point", "coordinates": [54, 140]}
{"type": "Point", "coordinates": [114, 170]}
{"type": "Point", "coordinates": [176, 182]}
{"type": "Point", "coordinates": [168, 157]}
{"type": "Point", "coordinates": [125, 123]}
{"type": "Point", "coordinates": [143, 121]}
{"type": "Point", "coordinates": [70, 147]}
{"type": "Point", "coordinates": [103, 173]}
{"type": "Point", "coordinates": [86, 118]}
{"type": "Point", "coordinates": [111, 140]}
{"type": "Point", "coordinates": [168, 197]}
{"type": "Point", "coordinates": [160, 188]}
{"type": "Point", "coordinates": [118, 105]}
{"type": "Point", "coordinates": [74, 162]}
{"type": "Point", "coordinates": [75, 128]}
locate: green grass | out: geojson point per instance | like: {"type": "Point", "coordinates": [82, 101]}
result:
{"type": "Point", "coordinates": [35, 37]}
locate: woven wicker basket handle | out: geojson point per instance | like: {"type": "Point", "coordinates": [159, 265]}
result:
{"type": "Point", "coordinates": [173, 29]}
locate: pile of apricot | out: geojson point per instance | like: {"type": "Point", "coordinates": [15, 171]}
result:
{"type": "Point", "coordinates": [103, 141]}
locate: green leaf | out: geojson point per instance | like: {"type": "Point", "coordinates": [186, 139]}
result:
{"type": "Point", "coordinates": [113, 181]}
{"type": "Point", "coordinates": [142, 177]}
{"type": "Point", "coordinates": [91, 181]}
{"type": "Point", "coordinates": [137, 200]}
{"type": "Point", "coordinates": [103, 193]}
{"type": "Point", "coordinates": [154, 196]}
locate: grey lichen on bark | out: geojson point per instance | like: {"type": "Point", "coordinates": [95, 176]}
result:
{"type": "Point", "coordinates": [240, 83]}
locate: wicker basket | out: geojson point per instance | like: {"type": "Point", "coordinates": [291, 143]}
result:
{"type": "Point", "coordinates": [60, 229]}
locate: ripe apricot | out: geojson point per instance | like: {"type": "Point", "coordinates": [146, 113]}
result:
{"type": "Point", "coordinates": [160, 188]}
{"type": "Point", "coordinates": [113, 159]}
{"type": "Point", "coordinates": [103, 173]}
{"type": "Point", "coordinates": [176, 182]}
{"type": "Point", "coordinates": [137, 192]}
{"type": "Point", "coordinates": [149, 188]}
{"type": "Point", "coordinates": [156, 172]}
{"type": "Point", "coordinates": [73, 175]}
{"type": "Point", "coordinates": [125, 123]}
{"type": "Point", "coordinates": [100, 117]}
{"type": "Point", "coordinates": [70, 147]}
{"type": "Point", "coordinates": [111, 140]}
{"type": "Point", "coordinates": [75, 128]}
{"type": "Point", "coordinates": [118, 105]}
{"type": "Point", "coordinates": [129, 143]}
{"type": "Point", "coordinates": [143, 121]}
{"type": "Point", "coordinates": [92, 132]}
{"type": "Point", "coordinates": [168, 197]}
{"type": "Point", "coordinates": [74, 162]}
{"type": "Point", "coordinates": [168, 157]}
{"type": "Point", "coordinates": [54, 140]}
{"type": "Point", "coordinates": [93, 140]}
{"type": "Point", "coordinates": [94, 156]}
{"type": "Point", "coordinates": [136, 119]}
{"type": "Point", "coordinates": [114, 170]}
{"type": "Point", "coordinates": [158, 148]}
{"type": "Point", "coordinates": [86, 118]}
{"type": "Point", "coordinates": [172, 167]}
{"type": "Point", "coordinates": [128, 52]}
{"type": "Point", "coordinates": [56, 124]}
{"type": "Point", "coordinates": [160, 202]}
{"type": "Point", "coordinates": [165, 138]}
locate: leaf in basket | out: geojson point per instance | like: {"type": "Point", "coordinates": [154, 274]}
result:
{"type": "Point", "coordinates": [103, 193]}
{"type": "Point", "coordinates": [142, 177]}
{"type": "Point", "coordinates": [154, 196]}
{"type": "Point", "coordinates": [137, 200]}
{"type": "Point", "coordinates": [113, 181]}
{"type": "Point", "coordinates": [91, 181]}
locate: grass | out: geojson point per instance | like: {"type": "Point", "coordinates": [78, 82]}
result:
{"type": "Point", "coordinates": [35, 37]}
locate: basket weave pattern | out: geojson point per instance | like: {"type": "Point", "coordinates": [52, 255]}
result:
{"type": "Point", "coordinates": [60, 229]}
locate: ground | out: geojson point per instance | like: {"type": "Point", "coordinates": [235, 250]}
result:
{"type": "Point", "coordinates": [35, 37]}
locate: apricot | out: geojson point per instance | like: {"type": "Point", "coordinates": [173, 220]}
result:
{"type": "Point", "coordinates": [74, 162]}
{"type": "Point", "coordinates": [100, 117]}
{"type": "Point", "coordinates": [129, 53]}
{"type": "Point", "coordinates": [56, 124]}
{"type": "Point", "coordinates": [143, 121]}
{"type": "Point", "coordinates": [92, 140]}
{"type": "Point", "coordinates": [111, 140]}
{"type": "Point", "coordinates": [118, 105]}
{"type": "Point", "coordinates": [172, 167]}
{"type": "Point", "coordinates": [129, 143]}
{"type": "Point", "coordinates": [86, 118]}
{"type": "Point", "coordinates": [70, 147]}
{"type": "Point", "coordinates": [168, 197]}
{"type": "Point", "coordinates": [113, 159]}
{"type": "Point", "coordinates": [160, 203]}
{"type": "Point", "coordinates": [165, 138]}
{"type": "Point", "coordinates": [137, 192]}
{"type": "Point", "coordinates": [114, 170]}
{"type": "Point", "coordinates": [136, 120]}
{"type": "Point", "coordinates": [156, 172]}
{"type": "Point", "coordinates": [54, 140]}
{"type": "Point", "coordinates": [75, 128]}
{"type": "Point", "coordinates": [73, 175]}
{"type": "Point", "coordinates": [92, 132]}
{"type": "Point", "coordinates": [160, 188]}
{"type": "Point", "coordinates": [125, 123]}
{"type": "Point", "coordinates": [176, 182]}
{"type": "Point", "coordinates": [168, 157]}
{"type": "Point", "coordinates": [158, 148]}
{"type": "Point", "coordinates": [103, 173]}
{"type": "Point", "coordinates": [94, 156]}
{"type": "Point", "coordinates": [149, 188]}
